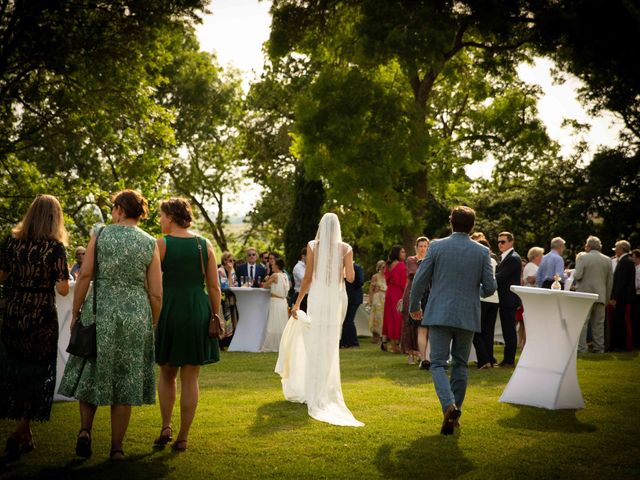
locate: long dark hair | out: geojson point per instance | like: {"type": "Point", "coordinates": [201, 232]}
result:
{"type": "Point", "coordinates": [394, 254]}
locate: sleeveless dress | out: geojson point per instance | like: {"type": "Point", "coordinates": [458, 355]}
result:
{"type": "Point", "coordinates": [379, 285]}
{"type": "Point", "coordinates": [182, 337]}
{"type": "Point", "coordinates": [278, 313]}
{"type": "Point", "coordinates": [309, 359]}
{"type": "Point", "coordinates": [29, 334]}
{"type": "Point", "coordinates": [123, 371]}
{"type": "Point", "coordinates": [396, 281]}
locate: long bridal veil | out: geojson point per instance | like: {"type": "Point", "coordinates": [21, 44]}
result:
{"type": "Point", "coordinates": [309, 361]}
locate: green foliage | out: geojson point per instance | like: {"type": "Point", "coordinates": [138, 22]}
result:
{"type": "Point", "coordinates": [77, 82]}
{"type": "Point", "coordinates": [207, 107]}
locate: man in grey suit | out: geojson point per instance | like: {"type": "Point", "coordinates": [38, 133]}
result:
{"type": "Point", "coordinates": [459, 271]}
{"type": "Point", "coordinates": [594, 274]}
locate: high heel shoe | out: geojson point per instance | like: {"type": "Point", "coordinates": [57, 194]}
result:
{"type": "Point", "coordinates": [164, 438]}
{"type": "Point", "coordinates": [83, 444]}
{"type": "Point", "coordinates": [12, 448]}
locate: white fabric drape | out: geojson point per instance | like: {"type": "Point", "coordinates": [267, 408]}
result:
{"type": "Point", "coordinates": [278, 313]}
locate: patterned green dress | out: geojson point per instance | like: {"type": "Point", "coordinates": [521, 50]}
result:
{"type": "Point", "coordinates": [182, 336]}
{"type": "Point", "coordinates": [123, 371]}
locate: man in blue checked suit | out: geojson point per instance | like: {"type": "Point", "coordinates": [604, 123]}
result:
{"type": "Point", "coordinates": [459, 271]}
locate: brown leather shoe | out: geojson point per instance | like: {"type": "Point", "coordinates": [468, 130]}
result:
{"type": "Point", "coordinates": [451, 416]}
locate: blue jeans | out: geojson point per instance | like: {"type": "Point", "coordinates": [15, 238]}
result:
{"type": "Point", "coordinates": [457, 342]}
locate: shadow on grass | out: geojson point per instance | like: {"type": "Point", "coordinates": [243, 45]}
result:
{"type": "Point", "coordinates": [543, 420]}
{"type": "Point", "coordinates": [435, 453]}
{"type": "Point", "coordinates": [134, 466]}
{"type": "Point", "coordinates": [277, 416]}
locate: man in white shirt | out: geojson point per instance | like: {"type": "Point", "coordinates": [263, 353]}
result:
{"type": "Point", "coordinates": [298, 275]}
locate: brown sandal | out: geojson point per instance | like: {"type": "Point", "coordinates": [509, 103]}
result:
{"type": "Point", "coordinates": [179, 446]}
{"type": "Point", "coordinates": [163, 439]}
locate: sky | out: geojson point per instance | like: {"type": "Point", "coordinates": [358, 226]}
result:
{"type": "Point", "coordinates": [236, 30]}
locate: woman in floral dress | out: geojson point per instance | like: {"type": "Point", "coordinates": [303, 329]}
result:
{"type": "Point", "coordinates": [129, 299]}
{"type": "Point", "coordinates": [377, 291]}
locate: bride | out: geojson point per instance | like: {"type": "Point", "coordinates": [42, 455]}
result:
{"type": "Point", "coordinates": [309, 361]}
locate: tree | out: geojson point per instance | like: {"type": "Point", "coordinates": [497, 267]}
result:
{"type": "Point", "coordinates": [78, 117]}
{"type": "Point", "coordinates": [207, 106]}
{"type": "Point", "coordinates": [305, 215]}
{"type": "Point", "coordinates": [405, 96]}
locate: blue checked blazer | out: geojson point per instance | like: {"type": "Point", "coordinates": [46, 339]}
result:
{"type": "Point", "coordinates": [459, 271]}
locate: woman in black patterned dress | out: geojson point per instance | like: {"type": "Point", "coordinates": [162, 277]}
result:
{"type": "Point", "coordinates": [33, 261]}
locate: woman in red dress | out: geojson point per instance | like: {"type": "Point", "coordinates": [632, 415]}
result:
{"type": "Point", "coordinates": [396, 276]}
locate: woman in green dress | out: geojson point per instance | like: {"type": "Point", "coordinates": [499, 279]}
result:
{"type": "Point", "coordinates": [129, 299]}
{"type": "Point", "coordinates": [182, 341]}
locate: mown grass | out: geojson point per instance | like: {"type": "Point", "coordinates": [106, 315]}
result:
{"type": "Point", "coordinates": [244, 429]}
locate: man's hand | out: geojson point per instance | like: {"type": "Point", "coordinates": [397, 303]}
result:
{"type": "Point", "coordinates": [416, 315]}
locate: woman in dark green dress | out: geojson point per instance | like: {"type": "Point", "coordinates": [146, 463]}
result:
{"type": "Point", "coordinates": [33, 261]}
{"type": "Point", "coordinates": [182, 341]}
{"type": "Point", "coordinates": [129, 299]}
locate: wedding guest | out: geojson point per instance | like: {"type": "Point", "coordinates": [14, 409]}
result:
{"type": "Point", "coordinates": [264, 259]}
{"type": "Point", "coordinates": [411, 328]}
{"type": "Point", "coordinates": [80, 251]}
{"type": "Point", "coordinates": [298, 275]}
{"type": "Point", "coordinates": [396, 276]}
{"type": "Point", "coordinates": [534, 255]}
{"type": "Point", "coordinates": [552, 264]}
{"type": "Point", "coordinates": [594, 274]}
{"type": "Point", "coordinates": [623, 294]}
{"type": "Point", "coordinates": [129, 299]}
{"type": "Point", "coordinates": [278, 283]}
{"type": "Point", "coordinates": [377, 293]}
{"type": "Point", "coordinates": [252, 272]}
{"type": "Point", "coordinates": [182, 339]}
{"type": "Point", "coordinates": [508, 272]}
{"type": "Point", "coordinates": [483, 340]}
{"type": "Point", "coordinates": [459, 272]}
{"type": "Point", "coordinates": [33, 261]}
{"type": "Point", "coordinates": [635, 254]}
{"type": "Point", "coordinates": [477, 236]}
{"type": "Point", "coordinates": [349, 337]}
{"type": "Point", "coordinates": [227, 272]}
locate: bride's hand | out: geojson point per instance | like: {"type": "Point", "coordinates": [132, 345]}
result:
{"type": "Point", "coordinates": [294, 311]}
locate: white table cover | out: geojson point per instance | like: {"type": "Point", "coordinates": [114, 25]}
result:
{"type": "Point", "coordinates": [546, 374]}
{"type": "Point", "coordinates": [253, 311]}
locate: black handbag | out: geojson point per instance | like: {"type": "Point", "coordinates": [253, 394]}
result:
{"type": "Point", "coordinates": [83, 338]}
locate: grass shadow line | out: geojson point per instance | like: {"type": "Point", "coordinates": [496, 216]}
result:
{"type": "Point", "coordinates": [425, 454]}
{"type": "Point", "coordinates": [543, 420]}
{"type": "Point", "coordinates": [278, 416]}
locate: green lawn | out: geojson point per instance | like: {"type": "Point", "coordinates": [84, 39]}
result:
{"type": "Point", "coordinates": [244, 429]}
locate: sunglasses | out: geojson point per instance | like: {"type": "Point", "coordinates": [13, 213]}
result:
{"type": "Point", "coordinates": [251, 255]}
{"type": "Point", "coordinates": [502, 241]}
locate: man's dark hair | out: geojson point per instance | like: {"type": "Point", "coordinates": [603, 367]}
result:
{"type": "Point", "coordinates": [509, 235]}
{"type": "Point", "coordinates": [303, 252]}
{"type": "Point", "coordinates": [462, 219]}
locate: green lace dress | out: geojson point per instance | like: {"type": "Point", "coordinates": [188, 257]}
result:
{"type": "Point", "coordinates": [123, 371]}
{"type": "Point", "coordinates": [182, 336]}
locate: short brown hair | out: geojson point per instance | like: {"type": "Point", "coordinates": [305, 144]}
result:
{"type": "Point", "coordinates": [132, 203]}
{"type": "Point", "coordinates": [635, 253]}
{"type": "Point", "coordinates": [303, 252]}
{"type": "Point", "coordinates": [43, 221]}
{"type": "Point", "coordinates": [178, 210]}
{"type": "Point", "coordinates": [462, 219]}
{"type": "Point", "coordinates": [421, 239]}
{"type": "Point", "coordinates": [509, 235]}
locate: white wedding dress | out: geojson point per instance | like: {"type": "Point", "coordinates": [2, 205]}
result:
{"type": "Point", "coordinates": [309, 360]}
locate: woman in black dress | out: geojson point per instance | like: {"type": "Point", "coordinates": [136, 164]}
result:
{"type": "Point", "coordinates": [33, 261]}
